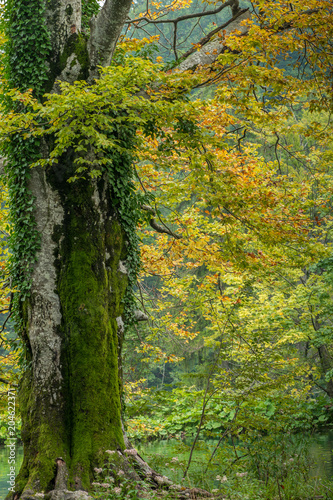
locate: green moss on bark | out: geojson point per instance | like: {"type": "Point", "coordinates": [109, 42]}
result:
{"type": "Point", "coordinates": [86, 417]}
{"type": "Point", "coordinates": [91, 289]}
{"type": "Point", "coordinates": [86, 420]}
{"type": "Point", "coordinates": [43, 434]}
{"type": "Point", "coordinates": [76, 45]}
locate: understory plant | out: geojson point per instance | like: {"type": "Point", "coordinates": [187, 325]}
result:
{"type": "Point", "coordinates": [272, 467]}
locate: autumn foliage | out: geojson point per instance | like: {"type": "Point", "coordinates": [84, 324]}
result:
{"type": "Point", "coordinates": [233, 168]}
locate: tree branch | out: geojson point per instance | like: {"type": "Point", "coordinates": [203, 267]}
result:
{"type": "Point", "coordinates": [212, 48]}
{"type": "Point", "coordinates": [140, 316]}
{"type": "Point", "coordinates": [105, 29]}
{"type": "Point", "coordinates": [206, 38]}
{"type": "Point", "coordinates": [230, 3]}
{"type": "Point", "coordinates": [160, 229]}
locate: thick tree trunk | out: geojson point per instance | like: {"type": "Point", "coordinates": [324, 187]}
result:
{"type": "Point", "coordinates": [72, 326]}
{"type": "Point", "coordinates": [70, 396]}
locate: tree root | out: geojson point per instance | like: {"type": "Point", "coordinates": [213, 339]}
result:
{"type": "Point", "coordinates": [133, 468]}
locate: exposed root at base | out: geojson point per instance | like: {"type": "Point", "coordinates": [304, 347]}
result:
{"type": "Point", "coordinates": [178, 492]}
{"type": "Point", "coordinates": [134, 468]}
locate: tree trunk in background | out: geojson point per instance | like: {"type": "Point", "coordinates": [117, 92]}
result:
{"type": "Point", "coordinates": [326, 365]}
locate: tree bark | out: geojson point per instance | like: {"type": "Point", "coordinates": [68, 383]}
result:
{"type": "Point", "coordinates": [105, 30]}
{"type": "Point", "coordinates": [72, 321]}
{"type": "Point", "coordinates": [72, 326]}
{"type": "Point", "coordinates": [326, 364]}
{"type": "Point", "coordinates": [70, 396]}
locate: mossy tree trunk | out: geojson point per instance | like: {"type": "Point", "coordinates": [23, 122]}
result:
{"type": "Point", "coordinates": [70, 396]}
{"type": "Point", "coordinates": [71, 323]}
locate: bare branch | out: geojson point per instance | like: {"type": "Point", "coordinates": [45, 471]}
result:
{"type": "Point", "coordinates": [213, 47]}
{"type": "Point", "coordinates": [206, 38]}
{"type": "Point", "coordinates": [230, 3]}
{"type": "Point", "coordinates": [163, 229]}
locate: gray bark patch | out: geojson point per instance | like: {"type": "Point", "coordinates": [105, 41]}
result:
{"type": "Point", "coordinates": [210, 51]}
{"type": "Point", "coordinates": [122, 268]}
{"type": "Point", "coordinates": [63, 18]}
{"type": "Point", "coordinates": [45, 313]}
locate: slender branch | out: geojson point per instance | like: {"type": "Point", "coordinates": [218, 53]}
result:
{"type": "Point", "coordinates": [206, 38]}
{"type": "Point", "coordinates": [322, 388]}
{"type": "Point", "coordinates": [4, 324]}
{"type": "Point", "coordinates": [216, 447]}
{"type": "Point", "coordinates": [175, 40]}
{"type": "Point", "coordinates": [205, 402]}
{"type": "Point", "coordinates": [240, 140]}
{"type": "Point", "coordinates": [161, 229]}
{"type": "Point", "coordinates": [230, 3]}
{"type": "Point", "coordinates": [205, 399]}
{"type": "Point", "coordinates": [158, 227]}
{"type": "Point", "coordinates": [276, 152]}
{"type": "Point", "coordinates": [7, 382]}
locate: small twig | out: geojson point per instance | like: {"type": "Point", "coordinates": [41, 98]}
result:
{"type": "Point", "coordinates": [276, 153]}
{"type": "Point", "coordinates": [240, 140]}
{"type": "Point", "coordinates": [160, 229]}
{"type": "Point", "coordinates": [4, 324]}
{"type": "Point", "coordinates": [175, 40]}
{"type": "Point", "coordinates": [216, 447]}
{"type": "Point", "coordinates": [3, 381]}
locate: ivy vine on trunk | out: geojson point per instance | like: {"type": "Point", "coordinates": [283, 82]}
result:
{"type": "Point", "coordinates": [70, 247]}
{"type": "Point", "coordinates": [75, 255]}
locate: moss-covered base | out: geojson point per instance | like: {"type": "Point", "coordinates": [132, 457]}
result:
{"type": "Point", "coordinates": [121, 472]}
{"type": "Point", "coordinates": [67, 429]}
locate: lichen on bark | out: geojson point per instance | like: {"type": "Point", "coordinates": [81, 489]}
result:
{"type": "Point", "coordinates": [78, 415]}
{"type": "Point", "coordinates": [71, 323]}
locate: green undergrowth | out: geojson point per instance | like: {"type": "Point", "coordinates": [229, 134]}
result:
{"type": "Point", "coordinates": [272, 468]}
{"type": "Point", "coordinates": [257, 448]}
{"type": "Point", "coordinates": [157, 414]}
{"type": "Point", "coordinates": [116, 479]}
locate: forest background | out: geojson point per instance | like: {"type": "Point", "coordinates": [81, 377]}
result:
{"type": "Point", "coordinates": [236, 281]}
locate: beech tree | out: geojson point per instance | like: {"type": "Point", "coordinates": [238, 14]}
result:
{"type": "Point", "coordinates": [74, 257]}
{"type": "Point", "coordinates": [70, 174]}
